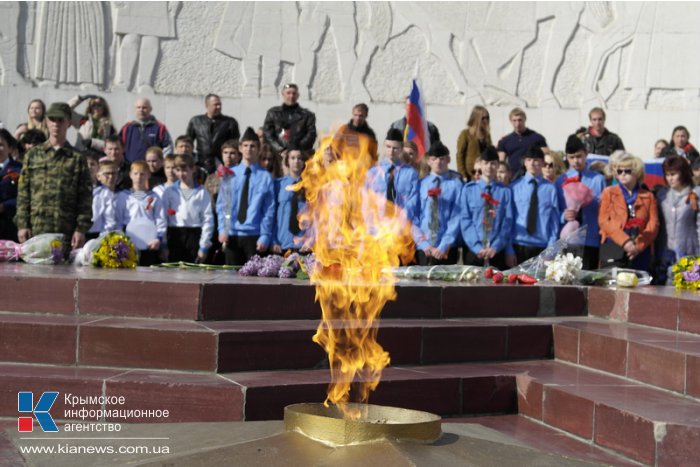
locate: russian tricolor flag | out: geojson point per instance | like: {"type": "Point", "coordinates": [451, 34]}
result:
{"type": "Point", "coordinates": [416, 121]}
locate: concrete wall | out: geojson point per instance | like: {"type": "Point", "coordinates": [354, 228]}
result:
{"type": "Point", "coordinates": [640, 61]}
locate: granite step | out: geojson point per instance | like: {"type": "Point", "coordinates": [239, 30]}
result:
{"type": "Point", "coordinates": [224, 295]}
{"type": "Point", "coordinates": [645, 424]}
{"type": "Point", "coordinates": [666, 359]}
{"type": "Point", "coordinates": [659, 307]}
{"type": "Point", "coordinates": [227, 346]}
{"type": "Point", "coordinates": [534, 435]}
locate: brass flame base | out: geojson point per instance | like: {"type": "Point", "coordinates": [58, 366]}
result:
{"type": "Point", "coordinates": [327, 425]}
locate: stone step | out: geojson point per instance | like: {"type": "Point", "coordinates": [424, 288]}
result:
{"type": "Point", "coordinates": [660, 307]}
{"type": "Point", "coordinates": [224, 295]}
{"type": "Point", "coordinates": [475, 389]}
{"type": "Point", "coordinates": [528, 433]}
{"type": "Point", "coordinates": [227, 346]}
{"type": "Point", "coordinates": [188, 397]}
{"type": "Point", "coordinates": [648, 425]}
{"type": "Point", "coordinates": [666, 359]}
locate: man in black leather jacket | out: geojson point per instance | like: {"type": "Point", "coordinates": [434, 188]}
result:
{"type": "Point", "coordinates": [210, 131]}
{"type": "Point", "coordinates": [289, 123]}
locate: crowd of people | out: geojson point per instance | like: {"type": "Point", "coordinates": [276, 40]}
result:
{"type": "Point", "coordinates": [218, 196]}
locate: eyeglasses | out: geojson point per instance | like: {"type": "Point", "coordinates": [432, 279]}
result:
{"type": "Point", "coordinates": [624, 171]}
{"type": "Point", "coordinates": [549, 165]}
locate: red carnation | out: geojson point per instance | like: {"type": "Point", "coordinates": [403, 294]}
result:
{"type": "Point", "coordinates": [171, 212]}
{"type": "Point", "coordinates": [568, 180]}
{"type": "Point", "coordinates": [434, 192]}
{"type": "Point", "coordinates": [490, 199]}
{"type": "Point", "coordinates": [635, 222]}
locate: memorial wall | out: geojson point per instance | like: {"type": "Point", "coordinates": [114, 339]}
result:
{"type": "Point", "coordinates": [640, 61]}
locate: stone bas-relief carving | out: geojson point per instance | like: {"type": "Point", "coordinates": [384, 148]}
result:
{"type": "Point", "coordinates": [9, 17]}
{"type": "Point", "coordinates": [142, 25]}
{"type": "Point", "coordinates": [558, 55]}
{"type": "Point", "coordinates": [71, 44]}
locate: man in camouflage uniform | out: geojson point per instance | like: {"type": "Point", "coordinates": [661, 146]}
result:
{"type": "Point", "coordinates": [55, 189]}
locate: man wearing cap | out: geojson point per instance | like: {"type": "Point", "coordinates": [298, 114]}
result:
{"type": "Point", "coordinates": [394, 179]}
{"type": "Point", "coordinates": [437, 229]}
{"type": "Point", "coordinates": [588, 214]}
{"type": "Point", "coordinates": [289, 123]}
{"type": "Point", "coordinates": [55, 189]}
{"type": "Point", "coordinates": [536, 209]}
{"type": "Point", "coordinates": [486, 217]}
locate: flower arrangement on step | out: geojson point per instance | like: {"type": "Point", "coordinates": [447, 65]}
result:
{"type": "Point", "coordinates": [686, 273]}
{"type": "Point", "coordinates": [292, 265]}
{"type": "Point", "coordinates": [43, 249]}
{"type": "Point", "coordinates": [110, 250]}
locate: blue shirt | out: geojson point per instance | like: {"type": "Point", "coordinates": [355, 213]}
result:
{"type": "Point", "coordinates": [472, 216]}
{"type": "Point", "coordinates": [283, 210]}
{"type": "Point", "coordinates": [548, 212]}
{"type": "Point", "coordinates": [448, 212]}
{"type": "Point", "coordinates": [405, 182]}
{"type": "Point", "coordinates": [596, 182]}
{"type": "Point", "coordinates": [261, 204]}
{"type": "Point", "coordinates": [515, 146]}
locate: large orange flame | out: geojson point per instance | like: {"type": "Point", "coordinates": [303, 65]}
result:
{"type": "Point", "coordinates": [357, 237]}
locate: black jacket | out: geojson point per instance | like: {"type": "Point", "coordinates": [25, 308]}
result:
{"type": "Point", "coordinates": [603, 145]}
{"type": "Point", "coordinates": [286, 124]}
{"type": "Point", "coordinates": [210, 134]}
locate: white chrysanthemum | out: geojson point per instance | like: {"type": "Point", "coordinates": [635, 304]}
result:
{"type": "Point", "coordinates": [563, 268]}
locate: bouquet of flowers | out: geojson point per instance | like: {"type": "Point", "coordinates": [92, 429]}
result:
{"type": "Point", "coordinates": [449, 273]}
{"type": "Point", "coordinates": [577, 195]}
{"type": "Point", "coordinates": [284, 267]}
{"type": "Point", "coordinates": [686, 273]}
{"type": "Point", "coordinates": [112, 249]}
{"type": "Point", "coordinates": [490, 204]}
{"type": "Point", "coordinates": [564, 269]}
{"type": "Point", "coordinates": [43, 249]}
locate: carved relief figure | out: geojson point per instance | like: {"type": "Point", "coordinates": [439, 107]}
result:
{"type": "Point", "coordinates": [263, 35]}
{"type": "Point", "coordinates": [9, 15]}
{"type": "Point", "coordinates": [374, 25]}
{"type": "Point", "coordinates": [71, 44]}
{"type": "Point", "coordinates": [316, 22]}
{"type": "Point", "coordinates": [142, 25]}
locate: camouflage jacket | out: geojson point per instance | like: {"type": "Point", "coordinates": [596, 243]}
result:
{"type": "Point", "coordinates": [55, 191]}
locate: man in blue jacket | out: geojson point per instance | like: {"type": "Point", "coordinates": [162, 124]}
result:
{"type": "Point", "coordinates": [144, 132]}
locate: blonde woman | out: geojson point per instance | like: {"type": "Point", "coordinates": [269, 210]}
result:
{"type": "Point", "coordinates": [36, 119]}
{"type": "Point", "coordinates": [628, 215]}
{"type": "Point", "coordinates": [473, 140]}
{"type": "Point", "coordinates": [553, 165]}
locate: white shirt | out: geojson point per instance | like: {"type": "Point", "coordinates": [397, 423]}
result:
{"type": "Point", "coordinates": [103, 212]}
{"type": "Point", "coordinates": [193, 212]}
{"type": "Point", "coordinates": [129, 207]}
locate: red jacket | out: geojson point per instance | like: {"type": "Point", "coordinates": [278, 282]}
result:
{"type": "Point", "coordinates": [612, 217]}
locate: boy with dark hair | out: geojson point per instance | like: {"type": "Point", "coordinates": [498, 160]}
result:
{"type": "Point", "coordinates": [288, 204]}
{"type": "Point", "coordinates": [114, 151]}
{"type": "Point", "coordinates": [252, 205]}
{"type": "Point", "coordinates": [487, 216]}
{"type": "Point", "coordinates": [438, 214]}
{"type": "Point", "coordinates": [170, 175]}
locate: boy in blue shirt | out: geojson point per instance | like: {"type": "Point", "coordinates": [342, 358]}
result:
{"type": "Point", "coordinates": [252, 205]}
{"type": "Point", "coordinates": [486, 219]}
{"type": "Point", "coordinates": [394, 179]}
{"type": "Point", "coordinates": [536, 209]}
{"type": "Point", "coordinates": [587, 215]}
{"type": "Point", "coordinates": [437, 228]}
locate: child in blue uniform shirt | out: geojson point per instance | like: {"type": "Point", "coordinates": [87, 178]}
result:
{"type": "Point", "coordinates": [536, 209]}
{"type": "Point", "coordinates": [587, 215]}
{"type": "Point", "coordinates": [438, 214]}
{"type": "Point", "coordinates": [288, 204]}
{"type": "Point", "coordinates": [252, 205]}
{"type": "Point", "coordinates": [486, 218]}
{"type": "Point", "coordinates": [394, 179]}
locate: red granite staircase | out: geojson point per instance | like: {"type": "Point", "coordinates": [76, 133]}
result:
{"type": "Point", "coordinates": [213, 346]}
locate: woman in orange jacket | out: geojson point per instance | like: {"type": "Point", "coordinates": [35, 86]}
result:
{"type": "Point", "coordinates": [628, 215]}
